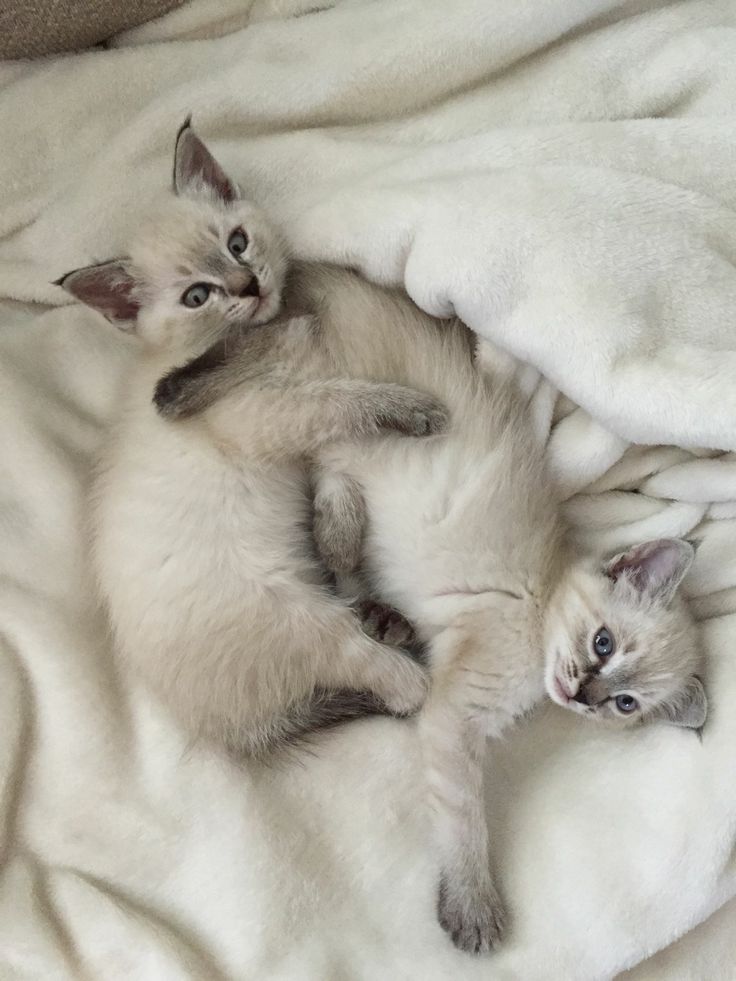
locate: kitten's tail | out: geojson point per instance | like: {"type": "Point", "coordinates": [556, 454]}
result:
{"type": "Point", "coordinates": [324, 710]}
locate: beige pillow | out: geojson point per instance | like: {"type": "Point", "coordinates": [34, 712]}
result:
{"type": "Point", "coordinates": [29, 28]}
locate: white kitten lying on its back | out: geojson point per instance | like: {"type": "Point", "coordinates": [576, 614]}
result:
{"type": "Point", "coordinates": [466, 539]}
{"type": "Point", "coordinates": [202, 543]}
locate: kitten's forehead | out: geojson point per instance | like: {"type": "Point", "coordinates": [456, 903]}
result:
{"type": "Point", "coordinates": [181, 229]}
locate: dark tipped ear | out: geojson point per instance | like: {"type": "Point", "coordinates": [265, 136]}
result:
{"type": "Point", "coordinates": [691, 710]}
{"type": "Point", "coordinates": [108, 288]}
{"type": "Point", "coordinates": [655, 569]}
{"type": "Point", "coordinates": [196, 170]}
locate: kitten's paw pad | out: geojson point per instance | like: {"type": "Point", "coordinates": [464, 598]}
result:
{"type": "Point", "coordinates": [384, 623]}
{"type": "Point", "coordinates": [475, 919]}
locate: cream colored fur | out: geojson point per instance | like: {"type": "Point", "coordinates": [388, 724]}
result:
{"type": "Point", "coordinates": [200, 530]}
{"type": "Point", "coordinates": [465, 537]}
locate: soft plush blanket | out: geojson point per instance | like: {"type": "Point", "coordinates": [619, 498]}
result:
{"type": "Point", "coordinates": [561, 176]}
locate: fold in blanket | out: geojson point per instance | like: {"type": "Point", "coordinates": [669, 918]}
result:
{"type": "Point", "coordinates": [561, 177]}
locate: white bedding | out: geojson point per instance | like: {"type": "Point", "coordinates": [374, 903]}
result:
{"type": "Point", "coordinates": [561, 175]}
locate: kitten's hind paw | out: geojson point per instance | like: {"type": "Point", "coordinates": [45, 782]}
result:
{"type": "Point", "coordinates": [473, 916]}
{"type": "Point", "coordinates": [384, 623]}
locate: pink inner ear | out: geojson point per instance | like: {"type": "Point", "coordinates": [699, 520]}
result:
{"type": "Point", "coordinates": [195, 166]}
{"type": "Point", "coordinates": [108, 288]}
{"type": "Point", "coordinates": [653, 566]}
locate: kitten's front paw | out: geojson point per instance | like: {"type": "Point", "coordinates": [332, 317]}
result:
{"type": "Point", "coordinates": [428, 418]}
{"type": "Point", "coordinates": [415, 414]}
{"type": "Point", "coordinates": [474, 916]}
{"type": "Point", "coordinates": [169, 395]}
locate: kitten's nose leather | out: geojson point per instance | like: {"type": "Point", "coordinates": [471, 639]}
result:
{"type": "Point", "coordinates": [251, 288]}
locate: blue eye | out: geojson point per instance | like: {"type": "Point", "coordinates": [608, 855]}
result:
{"type": "Point", "coordinates": [196, 295]}
{"type": "Point", "coordinates": [603, 643]}
{"type": "Point", "coordinates": [237, 243]}
{"type": "Point", "coordinates": [626, 704]}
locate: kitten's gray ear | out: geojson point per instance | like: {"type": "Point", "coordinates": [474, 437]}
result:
{"type": "Point", "coordinates": [691, 709]}
{"type": "Point", "coordinates": [108, 288]}
{"type": "Point", "coordinates": [196, 170]}
{"type": "Point", "coordinates": [655, 568]}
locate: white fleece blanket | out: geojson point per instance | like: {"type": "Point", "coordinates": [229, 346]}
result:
{"type": "Point", "coordinates": [563, 177]}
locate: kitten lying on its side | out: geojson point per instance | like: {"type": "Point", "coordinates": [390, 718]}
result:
{"type": "Point", "coordinates": [202, 543]}
{"type": "Point", "coordinates": [465, 537]}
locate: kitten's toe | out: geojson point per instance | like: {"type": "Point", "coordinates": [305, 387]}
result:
{"type": "Point", "coordinates": [384, 623]}
{"type": "Point", "coordinates": [473, 916]}
{"type": "Point", "coordinates": [398, 632]}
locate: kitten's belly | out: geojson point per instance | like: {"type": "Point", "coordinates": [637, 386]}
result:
{"type": "Point", "coordinates": [441, 524]}
{"type": "Point", "coordinates": [461, 554]}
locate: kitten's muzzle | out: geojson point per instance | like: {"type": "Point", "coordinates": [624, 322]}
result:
{"type": "Point", "coordinates": [591, 692]}
{"type": "Point", "coordinates": [241, 282]}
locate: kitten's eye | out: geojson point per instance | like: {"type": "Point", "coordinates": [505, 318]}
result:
{"type": "Point", "coordinates": [238, 242]}
{"type": "Point", "coordinates": [626, 704]}
{"type": "Point", "coordinates": [196, 295]}
{"type": "Point", "coordinates": [603, 643]}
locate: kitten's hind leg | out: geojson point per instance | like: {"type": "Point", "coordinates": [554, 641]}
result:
{"type": "Point", "coordinates": [339, 524]}
{"type": "Point", "coordinates": [453, 743]}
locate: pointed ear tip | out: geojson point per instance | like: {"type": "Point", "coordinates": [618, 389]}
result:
{"type": "Point", "coordinates": [185, 126]}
